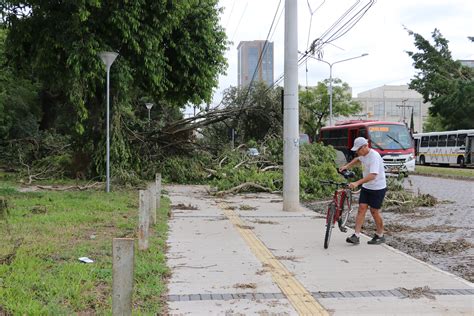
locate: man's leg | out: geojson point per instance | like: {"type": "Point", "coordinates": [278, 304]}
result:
{"type": "Point", "coordinates": [355, 239]}
{"type": "Point", "coordinates": [378, 220]}
{"type": "Point", "coordinates": [360, 217]}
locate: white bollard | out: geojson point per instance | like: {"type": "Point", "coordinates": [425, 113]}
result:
{"type": "Point", "coordinates": [122, 276]}
{"type": "Point", "coordinates": [143, 219]}
{"type": "Point", "coordinates": [152, 195]}
{"type": "Point", "coordinates": [158, 190]}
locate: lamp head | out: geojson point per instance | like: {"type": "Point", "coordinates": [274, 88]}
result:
{"type": "Point", "coordinates": [149, 105]}
{"type": "Point", "coordinates": [108, 58]}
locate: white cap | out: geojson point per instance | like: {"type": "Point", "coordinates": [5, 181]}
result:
{"type": "Point", "coordinates": [359, 142]}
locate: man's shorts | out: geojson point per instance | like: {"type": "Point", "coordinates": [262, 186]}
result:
{"type": "Point", "coordinates": [372, 197]}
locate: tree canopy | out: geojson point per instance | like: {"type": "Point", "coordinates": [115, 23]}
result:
{"type": "Point", "coordinates": [170, 53]}
{"type": "Point", "coordinates": [444, 82]}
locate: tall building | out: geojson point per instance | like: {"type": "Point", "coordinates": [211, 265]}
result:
{"type": "Point", "coordinates": [394, 104]}
{"type": "Point", "coordinates": [249, 53]}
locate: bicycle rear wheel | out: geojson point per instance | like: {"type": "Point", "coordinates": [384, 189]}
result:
{"type": "Point", "coordinates": [346, 209]}
{"type": "Point", "coordinates": [329, 224]}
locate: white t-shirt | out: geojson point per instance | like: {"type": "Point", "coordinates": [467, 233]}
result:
{"type": "Point", "coordinates": [373, 163]}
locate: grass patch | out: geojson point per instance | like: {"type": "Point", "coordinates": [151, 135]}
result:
{"type": "Point", "coordinates": [45, 276]}
{"type": "Point", "coordinates": [450, 172]}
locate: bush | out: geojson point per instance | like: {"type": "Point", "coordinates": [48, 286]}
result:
{"type": "Point", "coordinates": [316, 164]}
{"type": "Point", "coordinates": [186, 170]}
{"type": "Point", "coordinates": [234, 167]}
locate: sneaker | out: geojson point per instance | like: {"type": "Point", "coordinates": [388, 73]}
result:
{"type": "Point", "coordinates": [376, 240]}
{"type": "Point", "coordinates": [353, 239]}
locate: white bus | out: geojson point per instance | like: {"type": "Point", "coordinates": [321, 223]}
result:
{"type": "Point", "coordinates": [448, 148]}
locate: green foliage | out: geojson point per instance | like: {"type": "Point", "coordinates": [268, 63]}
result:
{"type": "Point", "coordinates": [43, 156]}
{"type": "Point", "coordinates": [433, 124]}
{"type": "Point", "coordinates": [170, 52]}
{"type": "Point", "coordinates": [446, 83]}
{"type": "Point", "coordinates": [314, 105]}
{"type": "Point", "coordinates": [316, 163]}
{"type": "Point", "coordinates": [234, 167]}
{"type": "Point", "coordinates": [19, 111]}
{"type": "Point", "coordinates": [186, 170]}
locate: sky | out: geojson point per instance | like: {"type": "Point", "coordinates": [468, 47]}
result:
{"type": "Point", "coordinates": [380, 33]}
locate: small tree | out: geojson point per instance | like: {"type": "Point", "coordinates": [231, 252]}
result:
{"type": "Point", "coordinates": [314, 105]}
{"type": "Point", "coordinates": [258, 114]}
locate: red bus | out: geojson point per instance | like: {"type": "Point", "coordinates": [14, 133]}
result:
{"type": "Point", "coordinates": [391, 140]}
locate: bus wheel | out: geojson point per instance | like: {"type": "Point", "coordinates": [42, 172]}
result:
{"type": "Point", "coordinates": [422, 160]}
{"type": "Point", "coordinates": [461, 162]}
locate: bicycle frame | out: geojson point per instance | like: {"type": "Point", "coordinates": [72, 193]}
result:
{"type": "Point", "coordinates": [336, 207]}
{"type": "Point", "coordinates": [338, 200]}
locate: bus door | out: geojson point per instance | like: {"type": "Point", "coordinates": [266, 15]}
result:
{"type": "Point", "coordinates": [451, 148]}
{"type": "Point", "coordinates": [470, 149]}
{"type": "Point", "coordinates": [433, 151]}
{"type": "Point", "coordinates": [443, 153]}
{"type": "Point", "coordinates": [417, 145]}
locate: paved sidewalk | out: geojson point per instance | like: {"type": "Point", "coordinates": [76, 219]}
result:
{"type": "Point", "coordinates": [242, 255]}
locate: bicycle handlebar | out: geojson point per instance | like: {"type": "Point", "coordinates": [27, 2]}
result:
{"type": "Point", "coordinates": [341, 184]}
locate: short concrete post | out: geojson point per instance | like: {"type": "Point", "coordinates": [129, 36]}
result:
{"type": "Point", "coordinates": [143, 219]}
{"type": "Point", "coordinates": [122, 276]}
{"type": "Point", "coordinates": [152, 195]}
{"type": "Point", "coordinates": [158, 190]}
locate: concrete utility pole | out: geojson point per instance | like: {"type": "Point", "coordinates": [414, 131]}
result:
{"type": "Point", "coordinates": [291, 154]}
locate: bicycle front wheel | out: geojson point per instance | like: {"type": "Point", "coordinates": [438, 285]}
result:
{"type": "Point", "coordinates": [329, 224]}
{"type": "Point", "coordinates": [346, 209]}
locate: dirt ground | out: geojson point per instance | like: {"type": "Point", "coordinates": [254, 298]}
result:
{"type": "Point", "coordinates": [441, 235]}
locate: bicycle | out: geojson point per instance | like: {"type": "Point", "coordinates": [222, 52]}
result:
{"type": "Point", "coordinates": [340, 207]}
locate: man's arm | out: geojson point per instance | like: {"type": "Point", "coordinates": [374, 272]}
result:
{"type": "Point", "coordinates": [350, 164]}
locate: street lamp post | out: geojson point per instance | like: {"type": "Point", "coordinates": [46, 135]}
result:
{"type": "Point", "coordinates": [330, 80]}
{"type": "Point", "coordinates": [108, 59]}
{"type": "Point", "coordinates": [149, 106]}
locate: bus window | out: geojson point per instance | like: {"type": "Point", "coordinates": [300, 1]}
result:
{"type": "Point", "coordinates": [433, 141]}
{"type": "Point", "coordinates": [461, 140]}
{"type": "Point", "coordinates": [387, 136]}
{"type": "Point", "coordinates": [442, 140]}
{"type": "Point", "coordinates": [363, 133]}
{"type": "Point", "coordinates": [424, 141]}
{"type": "Point", "coordinates": [452, 140]}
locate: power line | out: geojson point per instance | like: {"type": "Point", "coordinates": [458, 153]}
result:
{"type": "Point", "coordinates": [330, 35]}
{"type": "Point", "coordinates": [278, 21]}
{"type": "Point", "coordinates": [311, 12]}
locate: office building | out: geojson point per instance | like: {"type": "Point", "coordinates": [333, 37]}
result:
{"type": "Point", "coordinates": [394, 104]}
{"type": "Point", "coordinates": [249, 53]}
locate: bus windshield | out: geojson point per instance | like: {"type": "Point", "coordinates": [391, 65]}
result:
{"type": "Point", "coordinates": [388, 136]}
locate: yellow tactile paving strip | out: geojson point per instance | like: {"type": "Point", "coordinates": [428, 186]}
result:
{"type": "Point", "coordinates": [301, 299]}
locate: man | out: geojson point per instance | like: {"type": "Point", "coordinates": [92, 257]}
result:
{"type": "Point", "coordinates": [373, 189]}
